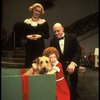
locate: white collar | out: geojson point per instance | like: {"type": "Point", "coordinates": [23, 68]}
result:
{"type": "Point", "coordinates": [54, 64]}
{"type": "Point", "coordinates": [63, 35]}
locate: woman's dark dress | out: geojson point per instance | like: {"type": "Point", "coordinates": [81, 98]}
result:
{"type": "Point", "coordinates": [34, 48]}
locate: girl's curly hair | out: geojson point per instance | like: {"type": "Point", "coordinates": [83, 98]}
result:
{"type": "Point", "coordinates": [51, 50]}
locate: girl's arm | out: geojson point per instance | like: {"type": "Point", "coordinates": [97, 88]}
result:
{"type": "Point", "coordinates": [29, 72]}
{"type": "Point", "coordinates": [53, 71]}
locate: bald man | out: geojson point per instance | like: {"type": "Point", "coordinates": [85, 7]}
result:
{"type": "Point", "coordinates": [70, 54]}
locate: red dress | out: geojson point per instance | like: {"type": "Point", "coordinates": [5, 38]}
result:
{"type": "Point", "coordinates": [62, 90]}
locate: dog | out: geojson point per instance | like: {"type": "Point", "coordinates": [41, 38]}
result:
{"type": "Point", "coordinates": [41, 65]}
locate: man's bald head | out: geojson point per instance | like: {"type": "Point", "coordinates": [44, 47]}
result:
{"type": "Point", "coordinates": [58, 30]}
{"type": "Point", "coordinates": [57, 25]}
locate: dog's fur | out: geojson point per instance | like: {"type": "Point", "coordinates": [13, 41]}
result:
{"type": "Point", "coordinates": [41, 65]}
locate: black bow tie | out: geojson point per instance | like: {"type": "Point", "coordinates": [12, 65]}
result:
{"type": "Point", "coordinates": [61, 38]}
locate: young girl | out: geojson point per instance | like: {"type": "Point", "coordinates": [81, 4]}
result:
{"type": "Point", "coordinates": [62, 90]}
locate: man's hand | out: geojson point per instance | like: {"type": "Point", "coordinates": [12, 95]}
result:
{"type": "Point", "coordinates": [71, 67]}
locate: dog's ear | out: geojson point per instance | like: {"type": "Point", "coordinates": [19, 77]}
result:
{"type": "Point", "coordinates": [34, 61]}
{"type": "Point", "coordinates": [37, 60]}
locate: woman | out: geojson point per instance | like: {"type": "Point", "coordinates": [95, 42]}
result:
{"type": "Point", "coordinates": [35, 30]}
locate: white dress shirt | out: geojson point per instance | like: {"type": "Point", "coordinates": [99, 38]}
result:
{"type": "Point", "coordinates": [61, 44]}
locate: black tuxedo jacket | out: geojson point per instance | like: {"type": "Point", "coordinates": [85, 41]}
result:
{"type": "Point", "coordinates": [72, 50]}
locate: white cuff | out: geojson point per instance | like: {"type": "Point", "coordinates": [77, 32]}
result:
{"type": "Point", "coordinates": [56, 68]}
{"type": "Point", "coordinates": [74, 63]}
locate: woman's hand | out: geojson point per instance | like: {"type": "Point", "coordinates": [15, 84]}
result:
{"type": "Point", "coordinates": [37, 36]}
{"type": "Point", "coordinates": [34, 37]}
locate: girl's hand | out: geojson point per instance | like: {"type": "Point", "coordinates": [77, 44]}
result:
{"type": "Point", "coordinates": [34, 66]}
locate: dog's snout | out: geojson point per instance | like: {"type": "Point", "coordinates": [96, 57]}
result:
{"type": "Point", "coordinates": [44, 68]}
{"type": "Point", "coordinates": [43, 71]}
